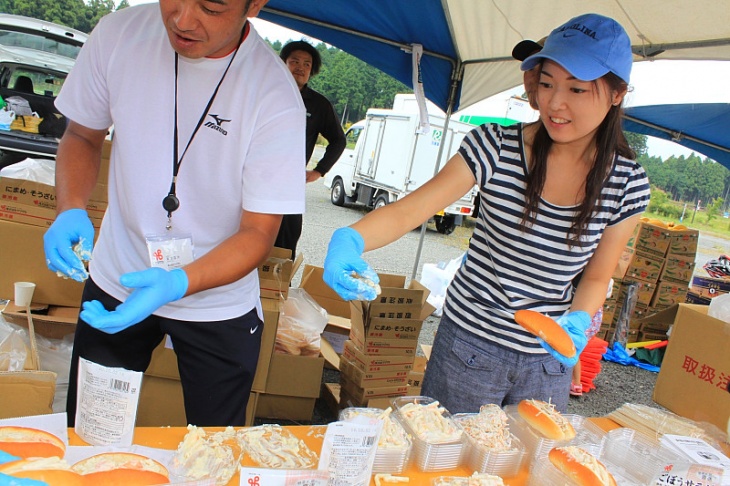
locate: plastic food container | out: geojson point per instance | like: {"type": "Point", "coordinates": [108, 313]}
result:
{"type": "Point", "coordinates": [478, 479]}
{"type": "Point", "coordinates": [642, 456]}
{"type": "Point", "coordinates": [543, 473]}
{"type": "Point", "coordinates": [504, 462]}
{"type": "Point", "coordinates": [538, 446]}
{"type": "Point", "coordinates": [394, 446]}
{"type": "Point", "coordinates": [438, 442]}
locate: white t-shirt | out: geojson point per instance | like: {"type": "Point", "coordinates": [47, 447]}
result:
{"type": "Point", "coordinates": [248, 153]}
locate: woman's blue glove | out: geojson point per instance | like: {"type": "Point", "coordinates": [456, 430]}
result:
{"type": "Point", "coordinates": [153, 288]}
{"type": "Point", "coordinates": [575, 323]}
{"type": "Point", "coordinates": [343, 260]}
{"type": "Point", "coordinates": [71, 227]}
{"type": "Point", "coordinates": [11, 481]}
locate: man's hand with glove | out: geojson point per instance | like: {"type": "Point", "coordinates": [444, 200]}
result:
{"type": "Point", "coordinates": [153, 288]}
{"type": "Point", "coordinates": [6, 480]}
{"type": "Point", "coordinates": [71, 228]}
{"type": "Point", "coordinates": [343, 262]}
{"type": "Point", "coordinates": [575, 324]}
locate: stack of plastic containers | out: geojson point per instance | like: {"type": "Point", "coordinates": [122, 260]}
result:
{"type": "Point", "coordinates": [438, 442]}
{"type": "Point", "coordinates": [394, 446]}
{"type": "Point", "coordinates": [490, 446]}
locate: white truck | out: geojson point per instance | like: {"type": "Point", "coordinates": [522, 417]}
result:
{"type": "Point", "coordinates": [391, 159]}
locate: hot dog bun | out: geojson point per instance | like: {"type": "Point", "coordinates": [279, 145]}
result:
{"type": "Point", "coordinates": [51, 470]}
{"type": "Point", "coordinates": [581, 466]}
{"type": "Point", "coordinates": [123, 468]}
{"type": "Point", "coordinates": [543, 417]}
{"type": "Point", "coordinates": [548, 330]}
{"type": "Point", "coordinates": [27, 442]}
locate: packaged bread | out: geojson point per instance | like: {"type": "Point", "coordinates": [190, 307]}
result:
{"type": "Point", "coordinates": [122, 469]}
{"type": "Point", "coordinates": [53, 471]}
{"type": "Point", "coordinates": [27, 442]}
{"type": "Point", "coordinates": [581, 466]}
{"type": "Point", "coordinates": [543, 417]}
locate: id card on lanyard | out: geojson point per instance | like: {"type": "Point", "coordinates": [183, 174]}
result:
{"type": "Point", "coordinates": [169, 251]}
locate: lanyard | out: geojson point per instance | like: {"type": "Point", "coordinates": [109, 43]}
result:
{"type": "Point", "coordinates": [170, 202]}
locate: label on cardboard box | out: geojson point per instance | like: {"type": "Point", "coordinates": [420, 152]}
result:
{"type": "Point", "coordinates": [650, 238]}
{"type": "Point", "coordinates": [38, 216]}
{"type": "Point", "coordinates": [694, 379]}
{"type": "Point", "coordinates": [32, 193]}
{"type": "Point", "coordinates": [382, 328]}
{"type": "Point", "coordinates": [365, 379]}
{"type": "Point", "coordinates": [669, 293]}
{"type": "Point", "coordinates": [710, 287]}
{"type": "Point", "coordinates": [684, 241]}
{"type": "Point", "coordinates": [376, 363]}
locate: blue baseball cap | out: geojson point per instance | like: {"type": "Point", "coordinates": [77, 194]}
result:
{"type": "Point", "coordinates": [587, 46]}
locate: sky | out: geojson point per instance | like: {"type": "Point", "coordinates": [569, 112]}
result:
{"type": "Point", "coordinates": [656, 147]}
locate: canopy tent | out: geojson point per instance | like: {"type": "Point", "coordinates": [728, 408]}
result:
{"type": "Point", "coordinates": [467, 44]}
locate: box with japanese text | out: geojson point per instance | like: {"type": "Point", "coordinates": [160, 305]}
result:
{"type": "Point", "coordinates": [33, 193]}
{"type": "Point", "coordinates": [381, 327]}
{"type": "Point", "coordinates": [376, 363]}
{"type": "Point", "coordinates": [39, 216]}
{"type": "Point", "coordinates": [368, 379]}
{"type": "Point", "coordinates": [694, 298]}
{"type": "Point", "coordinates": [362, 394]}
{"type": "Point", "coordinates": [694, 380]}
{"type": "Point", "coordinates": [276, 273]}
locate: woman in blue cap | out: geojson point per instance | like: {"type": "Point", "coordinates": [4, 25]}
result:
{"type": "Point", "coordinates": [558, 197]}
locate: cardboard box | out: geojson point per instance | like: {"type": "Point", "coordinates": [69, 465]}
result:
{"type": "Point", "coordinates": [694, 298]}
{"type": "Point", "coordinates": [382, 327]}
{"type": "Point", "coordinates": [276, 273]}
{"type": "Point", "coordinates": [649, 238]}
{"type": "Point", "coordinates": [694, 380]}
{"type": "Point", "coordinates": [285, 407]}
{"type": "Point", "coordinates": [669, 293]}
{"type": "Point", "coordinates": [678, 268]}
{"type": "Point", "coordinates": [294, 376]}
{"type": "Point", "coordinates": [709, 287]}
{"type": "Point", "coordinates": [363, 394]}
{"type": "Point", "coordinates": [32, 193]}
{"type": "Point", "coordinates": [39, 216]}
{"type": "Point", "coordinates": [366, 379]}
{"type": "Point", "coordinates": [387, 347]}
{"type": "Point", "coordinates": [161, 404]}
{"type": "Point", "coordinates": [683, 242]}
{"type": "Point", "coordinates": [645, 292]}
{"type": "Point", "coordinates": [373, 364]}
{"type": "Point", "coordinates": [609, 312]}
{"type": "Point", "coordinates": [638, 265]}
{"type": "Point", "coordinates": [22, 259]}
{"type": "Point", "coordinates": [53, 322]}
{"type": "Point", "coordinates": [347, 400]}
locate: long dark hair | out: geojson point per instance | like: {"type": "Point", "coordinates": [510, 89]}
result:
{"type": "Point", "coordinates": [610, 140]}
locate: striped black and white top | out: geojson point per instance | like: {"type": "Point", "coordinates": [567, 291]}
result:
{"type": "Point", "coordinates": [508, 269]}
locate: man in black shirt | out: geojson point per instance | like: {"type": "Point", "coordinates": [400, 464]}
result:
{"type": "Point", "coordinates": [303, 61]}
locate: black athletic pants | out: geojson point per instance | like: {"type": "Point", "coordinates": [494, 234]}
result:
{"type": "Point", "coordinates": [216, 359]}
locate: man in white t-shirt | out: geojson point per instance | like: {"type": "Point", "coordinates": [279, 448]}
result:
{"type": "Point", "coordinates": [198, 181]}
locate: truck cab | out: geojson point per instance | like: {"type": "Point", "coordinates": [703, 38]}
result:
{"type": "Point", "coordinates": [387, 157]}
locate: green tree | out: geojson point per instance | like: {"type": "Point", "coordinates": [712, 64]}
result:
{"type": "Point", "coordinates": [637, 142]}
{"type": "Point", "coordinates": [713, 209]}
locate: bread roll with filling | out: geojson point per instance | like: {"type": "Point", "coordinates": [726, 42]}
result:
{"type": "Point", "coordinates": [581, 466]}
{"type": "Point", "coordinates": [51, 470]}
{"type": "Point", "coordinates": [122, 468]}
{"type": "Point", "coordinates": [543, 417]}
{"type": "Point", "coordinates": [548, 330]}
{"type": "Point", "coordinates": [27, 442]}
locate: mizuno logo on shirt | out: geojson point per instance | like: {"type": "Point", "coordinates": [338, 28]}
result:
{"type": "Point", "coordinates": [217, 124]}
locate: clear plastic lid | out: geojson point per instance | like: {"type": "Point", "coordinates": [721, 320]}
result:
{"type": "Point", "coordinates": [427, 420]}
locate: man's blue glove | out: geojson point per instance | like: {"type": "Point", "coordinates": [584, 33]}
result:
{"type": "Point", "coordinates": [11, 481]}
{"type": "Point", "coordinates": [153, 288]}
{"type": "Point", "coordinates": [575, 323]}
{"type": "Point", "coordinates": [343, 263]}
{"type": "Point", "coordinates": [70, 228]}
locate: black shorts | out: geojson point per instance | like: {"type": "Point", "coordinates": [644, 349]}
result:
{"type": "Point", "coordinates": [216, 359]}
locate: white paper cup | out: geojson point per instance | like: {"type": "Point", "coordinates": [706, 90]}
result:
{"type": "Point", "coordinates": [24, 293]}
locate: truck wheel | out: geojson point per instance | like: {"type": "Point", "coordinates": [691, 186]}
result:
{"type": "Point", "coordinates": [380, 201]}
{"type": "Point", "coordinates": [445, 224]}
{"type": "Point", "coordinates": [337, 196]}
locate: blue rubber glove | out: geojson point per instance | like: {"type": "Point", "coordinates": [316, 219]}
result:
{"type": "Point", "coordinates": [6, 480]}
{"type": "Point", "coordinates": [575, 323]}
{"type": "Point", "coordinates": [11, 481]}
{"type": "Point", "coordinates": [153, 288]}
{"type": "Point", "coordinates": [342, 260]}
{"type": "Point", "coordinates": [70, 227]}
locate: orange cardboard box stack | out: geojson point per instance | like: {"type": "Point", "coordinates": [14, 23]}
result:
{"type": "Point", "coordinates": [27, 209]}
{"type": "Point", "coordinates": [659, 258]}
{"type": "Point", "coordinates": [379, 356]}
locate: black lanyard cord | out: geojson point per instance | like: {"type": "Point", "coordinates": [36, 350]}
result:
{"type": "Point", "coordinates": [170, 203]}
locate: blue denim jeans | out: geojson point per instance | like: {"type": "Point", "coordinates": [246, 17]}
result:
{"type": "Point", "coordinates": [466, 371]}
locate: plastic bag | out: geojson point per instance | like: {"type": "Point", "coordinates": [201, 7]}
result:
{"type": "Point", "coordinates": [301, 322]}
{"type": "Point", "coordinates": [437, 278]}
{"type": "Point", "coordinates": [13, 351]}
{"type": "Point", "coordinates": [720, 307]}
{"type": "Point", "coordinates": [618, 354]}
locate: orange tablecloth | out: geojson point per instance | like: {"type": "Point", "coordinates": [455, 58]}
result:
{"type": "Point", "coordinates": [170, 437]}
